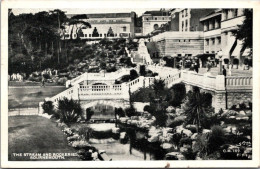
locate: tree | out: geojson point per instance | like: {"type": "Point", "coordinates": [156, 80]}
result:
{"type": "Point", "coordinates": [69, 110]}
{"type": "Point", "coordinates": [142, 70]}
{"type": "Point", "coordinates": [133, 74]}
{"type": "Point", "coordinates": [95, 33]}
{"type": "Point", "coordinates": [48, 107]}
{"type": "Point", "coordinates": [245, 31]}
{"type": "Point", "coordinates": [177, 94]}
{"type": "Point", "coordinates": [76, 27]}
{"type": "Point", "coordinates": [196, 108]}
{"type": "Point", "coordinates": [158, 86]}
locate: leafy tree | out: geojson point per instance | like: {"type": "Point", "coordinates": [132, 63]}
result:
{"type": "Point", "coordinates": [196, 108]}
{"type": "Point", "coordinates": [216, 138]}
{"type": "Point", "coordinates": [177, 94]}
{"type": "Point", "coordinates": [142, 70]}
{"type": "Point", "coordinates": [245, 31]}
{"type": "Point", "coordinates": [70, 110]}
{"type": "Point", "coordinates": [95, 33]}
{"type": "Point", "coordinates": [133, 74]}
{"type": "Point", "coordinates": [48, 107]}
{"type": "Point", "coordinates": [158, 86]}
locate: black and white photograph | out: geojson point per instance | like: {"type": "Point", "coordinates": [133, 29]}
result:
{"type": "Point", "coordinates": [130, 84]}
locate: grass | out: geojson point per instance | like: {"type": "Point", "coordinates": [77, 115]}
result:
{"type": "Point", "coordinates": [24, 97]}
{"type": "Point", "coordinates": [35, 134]}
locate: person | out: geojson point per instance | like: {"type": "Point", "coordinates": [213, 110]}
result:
{"type": "Point", "coordinates": [229, 69]}
{"type": "Point", "coordinates": [209, 66]}
{"type": "Point", "coordinates": [43, 82]}
{"type": "Point", "coordinates": [224, 71]}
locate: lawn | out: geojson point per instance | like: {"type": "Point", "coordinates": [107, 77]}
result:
{"type": "Point", "coordinates": [35, 134]}
{"type": "Point", "coordinates": [30, 96]}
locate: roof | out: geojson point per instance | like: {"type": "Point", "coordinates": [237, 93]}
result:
{"type": "Point", "coordinates": [157, 13]}
{"type": "Point", "coordinates": [211, 15]}
{"type": "Point", "coordinates": [105, 15]}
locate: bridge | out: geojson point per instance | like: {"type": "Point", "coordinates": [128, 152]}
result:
{"type": "Point", "coordinates": [89, 87]}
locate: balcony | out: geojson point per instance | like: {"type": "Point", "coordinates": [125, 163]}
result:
{"type": "Point", "coordinates": [214, 32]}
{"type": "Point", "coordinates": [231, 23]}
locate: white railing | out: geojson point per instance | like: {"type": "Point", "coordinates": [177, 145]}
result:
{"type": "Point", "coordinates": [201, 80]}
{"type": "Point", "coordinates": [70, 93]}
{"type": "Point", "coordinates": [100, 76]}
{"type": "Point", "coordinates": [239, 82]}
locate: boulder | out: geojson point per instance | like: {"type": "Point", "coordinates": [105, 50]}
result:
{"type": "Point", "coordinates": [115, 130]}
{"type": "Point", "coordinates": [166, 146]}
{"type": "Point", "coordinates": [123, 135]}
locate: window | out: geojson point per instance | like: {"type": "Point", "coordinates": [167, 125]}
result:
{"type": "Point", "coordinates": [156, 26]}
{"type": "Point", "coordinates": [116, 35]}
{"type": "Point", "coordinates": [213, 41]}
{"type": "Point", "coordinates": [207, 42]}
{"type": "Point", "coordinates": [124, 29]}
{"type": "Point", "coordinates": [147, 19]}
{"type": "Point", "coordinates": [100, 35]}
{"type": "Point", "coordinates": [219, 40]}
{"type": "Point", "coordinates": [235, 12]}
{"type": "Point", "coordinates": [155, 18]}
{"type": "Point", "coordinates": [86, 35]}
{"type": "Point", "coordinates": [89, 35]}
{"type": "Point", "coordinates": [162, 18]}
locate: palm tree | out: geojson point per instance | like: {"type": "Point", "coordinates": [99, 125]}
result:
{"type": "Point", "coordinates": [197, 107]}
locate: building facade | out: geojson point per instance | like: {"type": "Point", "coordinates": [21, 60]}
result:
{"type": "Point", "coordinates": [104, 25]}
{"type": "Point", "coordinates": [179, 43]}
{"type": "Point", "coordinates": [219, 28]}
{"type": "Point", "coordinates": [153, 20]}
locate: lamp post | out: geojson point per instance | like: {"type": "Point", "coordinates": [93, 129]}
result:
{"type": "Point", "coordinates": [182, 58]}
{"type": "Point", "coordinates": [220, 54]}
{"type": "Point", "coordinates": [174, 60]}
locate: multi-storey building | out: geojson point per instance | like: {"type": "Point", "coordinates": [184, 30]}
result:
{"type": "Point", "coordinates": [212, 31]}
{"type": "Point", "coordinates": [219, 28]}
{"type": "Point", "coordinates": [153, 20]}
{"type": "Point", "coordinates": [105, 25]}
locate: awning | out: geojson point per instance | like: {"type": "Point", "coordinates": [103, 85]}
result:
{"type": "Point", "coordinates": [237, 50]}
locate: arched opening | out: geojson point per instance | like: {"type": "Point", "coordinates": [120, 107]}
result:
{"type": "Point", "coordinates": [155, 26]}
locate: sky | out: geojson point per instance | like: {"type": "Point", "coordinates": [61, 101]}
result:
{"type": "Point", "coordinates": [138, 11]}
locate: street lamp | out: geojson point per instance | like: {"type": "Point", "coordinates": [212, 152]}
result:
{"type": "Point", "coordinates": [174, 60]}
{"type": "Point", "coordinates": [182, 57]}
{"type": "Point", "coordinates": [220, 54]}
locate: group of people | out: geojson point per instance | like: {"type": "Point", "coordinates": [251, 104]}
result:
{"type": "Point", "coordinates": [15, 77]}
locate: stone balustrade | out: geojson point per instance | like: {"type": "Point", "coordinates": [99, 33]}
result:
{"type": "Point", "coordinates": [239, 82]}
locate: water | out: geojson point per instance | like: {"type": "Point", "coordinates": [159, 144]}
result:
{"type": "Point", "coordinates": [134, 147]}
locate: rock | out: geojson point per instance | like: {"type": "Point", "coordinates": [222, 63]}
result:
{"type": "Point", "coordinates": [166, 146]}
{"type": "Point", "coordinates": [154, 138]}
{"type": "Point", "coordinates": [194, 136]}
{"type": "Point", "coordinates": [204, 131]}
{"type": "Point", "coordinates": [80, 144]}
{"type": "Point", "coordinates": [183, 149]}
{"type": "Point", "coordinates": [241, 113]}
{"type": "Point", "coordinates": [123, 135]}
{"type": "Point", "coordinates": [115, 130]}
{"type": "Point", "coordinates": [73, 138]}
{"type": "Point", "coordinates": [174, 156]}
{"type": "Point", "coordinates": [170, 109]}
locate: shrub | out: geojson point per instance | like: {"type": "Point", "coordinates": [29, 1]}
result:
{"type": "Point", "coordinates": [90, 113]}
{"type": "Point", "coordinates": [178, 94]}
{"type": "Point", "coordinates": [48, 107]}
{"type": "Point", "coordinates": [142, 70]}
{"type": "Point", "coordinates": [69, 110]}
{"type": "Point", "coordinates": [133, 74]}
{"type": "Point", "coordinates": [130, 111]}
{"type": "Point", "coordinates": [226, 61]}
{"type": "Point", "coordinates": [189, 154]}
{"type": "Point", "coordinates": [216, 138]}
{"type": "Point", "coordinates": [235, 61]}
{"type": "Point", "coordinates": [185, 140]}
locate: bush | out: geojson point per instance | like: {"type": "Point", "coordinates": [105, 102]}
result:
{"type": "Point", "coordinates": [216, 138]}
{"type": "Point", "coordinates": [48, 107]}
{"type": "Point", "coordinates": [226, 61]}
{"type": "Point", "coordinates": [133, 74]}
{"type": "Point", "coordinates": [235, 61]}
{"type": "Point", "coordinates": [90, 113]}
{"type": "Point", "coordinates": [130, 111]}
{"type": "Point", "coordinates": [178, 94]}
{"type": "Point", "coordinates": [142, 70]}
{"type": "Point", "coordinates": [69, 110]}
{"type": "Point", "coordinates": [185, 140]}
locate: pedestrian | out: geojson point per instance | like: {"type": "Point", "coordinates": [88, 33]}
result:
{"type": "Point", "coordinates": [224, 71]}
{"type": "Point", "coordinates": [43, 82]}
{"type": "Point", "coordinates": [196, 67]}
{"type": "Point", "coordinates": [229, 69]}
{"type": "Point", "coordinates": [209, 66]}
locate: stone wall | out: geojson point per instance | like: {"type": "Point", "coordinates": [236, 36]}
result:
{"type": "Point", "coordinates": [236, 97]}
